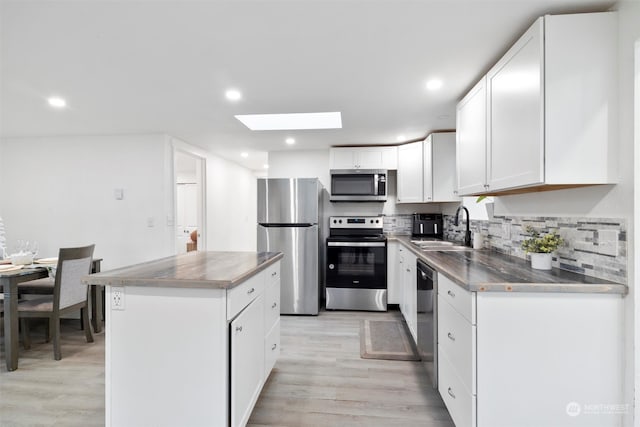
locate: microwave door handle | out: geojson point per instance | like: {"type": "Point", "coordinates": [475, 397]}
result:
{"type": "Point", "coordinates": [375, 184]}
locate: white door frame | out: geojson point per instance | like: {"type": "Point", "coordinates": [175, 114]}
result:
{"type": "Point", "coordinates": [201, 180]}
{"type": "Point", "coordinates": [636, 238]}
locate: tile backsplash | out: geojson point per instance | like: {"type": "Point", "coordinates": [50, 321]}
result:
{"type": "Point", "coordinates": [594, 247]}
{"type": "Point", "coordinates": [397, 224]}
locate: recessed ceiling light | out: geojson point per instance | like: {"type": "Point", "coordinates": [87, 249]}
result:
{"type": "Point", "coordinates": [401, 138]}
{"type": "Point", "coordinates": [434, 84]}
{"type": "Point", "coordinates": [244, 154]}
{"type": "Point", "coordinates": [290, 141]}
{"type": "Point", "coordinates": [292, 121]}
{"type": "Point", "coordinates": [266, 166]}
{"type": "Point", "coordinates": [233, 95]}
{"type": "Point", "coordinates": [57, 102]}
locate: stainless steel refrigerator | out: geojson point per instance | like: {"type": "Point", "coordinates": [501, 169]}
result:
{"type": "Point", "coordinates": [288, 218]}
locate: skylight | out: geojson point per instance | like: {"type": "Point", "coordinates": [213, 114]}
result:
{"type": "Point", "coordinates": [292, 121]}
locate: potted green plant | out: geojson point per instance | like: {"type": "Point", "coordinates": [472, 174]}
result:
{"type": "Point", "coordinates": [540, 247]}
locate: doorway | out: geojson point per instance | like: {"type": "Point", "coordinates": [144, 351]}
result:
{"type": "Point", "coordinates": [189, 173]}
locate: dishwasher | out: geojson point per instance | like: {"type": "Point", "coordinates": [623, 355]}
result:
{"type": "Point", "coordinates": [427, 319]}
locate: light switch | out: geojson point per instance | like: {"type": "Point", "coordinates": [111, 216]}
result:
{"type": "Point", "coordinates": [118, 193]}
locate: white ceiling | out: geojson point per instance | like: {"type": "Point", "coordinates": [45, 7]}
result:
{"type": "Point", "coordinates": [163, 66]}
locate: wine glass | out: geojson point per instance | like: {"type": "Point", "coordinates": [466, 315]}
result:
{"type": "Point", "coordinates": [18, 247]}
{"type": "Point", "coordinates": [34, 248]}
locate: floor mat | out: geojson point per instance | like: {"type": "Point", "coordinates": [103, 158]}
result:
{"type": "Point", "coordinates": [385, 339]}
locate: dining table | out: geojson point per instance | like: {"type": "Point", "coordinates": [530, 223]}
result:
{"type": "Point", "coordinates": [9, 281]}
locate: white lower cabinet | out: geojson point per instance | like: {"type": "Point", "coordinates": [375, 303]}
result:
{"type": "Point", "coordinates": [460, 402]}
{"type": "Point", "coordinates": [521, 359]}
{"type": "Point", "coordinates": [409, 304]}
{"type": "Point", "coordinates": [271, 324]}
{"type": "Point", "coordinates": [271, 348]}
{"type": "Point", "coordinates": [457, 340]}
{"type": "Point", "coordinates": [247, 360]}
{"type": "Point", "coordinates": [393, 292]}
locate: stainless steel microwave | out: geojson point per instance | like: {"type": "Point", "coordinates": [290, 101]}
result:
{"type": "Point", "coordinates": [358, 185]}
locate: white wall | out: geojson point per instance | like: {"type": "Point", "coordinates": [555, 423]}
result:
{"type": "Point", "coordinates": [231, 206]}
{"type": "Point", "coordinates": [60, 192]}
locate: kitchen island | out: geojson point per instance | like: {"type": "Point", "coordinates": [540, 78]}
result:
{"type": "Point", "coordinates": [190, 339]}
{"type": "Point", "coordinates": [517, 346]}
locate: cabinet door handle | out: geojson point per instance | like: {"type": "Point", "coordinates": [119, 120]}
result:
{"type": "Point", "coordinates": [451, 392]}
{"type": "Point", "coordinates": [273, 347]}
{"type": "Point", "coordinates": [274, 305]}
{"type": "Point", "coordinates": [250, 291]}
{"type": "Point", "coordinates": [451, 337]}
{"type": "Point", "coordinates": [451, 294]}
{"type": "Point", "coordinates": [238, 328]}
{"type": "Point", "coordinates": [274, 274]}
{"type": "Point", "coordinates": [408, 270]}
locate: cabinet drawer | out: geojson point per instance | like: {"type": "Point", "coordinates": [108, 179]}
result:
{"type": "Point", "coordinates": [460, 403]}
{"type": "Point", "coordinates": [271, 304]}
{"type": "Point", "coordinates": [272, 273]}
{"type": "Point", "coordinates": [457, 338]}
{"type": "Point", "coordinates": [462, 300]}
{"type": "Point", "coordinates": [271, 349]}
{"type": "Point", "coordinates": [240, 296]}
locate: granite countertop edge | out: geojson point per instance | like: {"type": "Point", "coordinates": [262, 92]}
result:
{"type": "Point", "coordinates": [107, 278]}
{"type": "Point", "coordinates": [587, 285]}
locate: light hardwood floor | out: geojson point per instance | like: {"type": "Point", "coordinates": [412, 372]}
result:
{"type": "Point", "coordinates": [319, 380]}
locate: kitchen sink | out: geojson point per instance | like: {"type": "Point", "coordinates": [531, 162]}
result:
{"type": "Point", "coordinates": [444, 248]}
{"type": "Point", "coordinates": [438, 245]}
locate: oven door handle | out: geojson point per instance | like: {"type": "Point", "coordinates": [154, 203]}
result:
{"type": "Point", "coordinates": [356, 244]}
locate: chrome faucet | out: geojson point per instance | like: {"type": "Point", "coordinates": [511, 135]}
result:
{"type": "Point", "coordinates": [467, 234]}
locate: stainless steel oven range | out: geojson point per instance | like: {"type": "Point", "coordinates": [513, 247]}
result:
{"type": "Point", "coordinates": [356, 264]}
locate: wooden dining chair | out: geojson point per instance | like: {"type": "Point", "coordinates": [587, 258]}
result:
{"type": "Point", "coordinates": [69, 294]}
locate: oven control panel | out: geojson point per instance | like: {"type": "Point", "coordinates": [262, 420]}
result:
{"type": "Point", "coordinates": [356, 222]}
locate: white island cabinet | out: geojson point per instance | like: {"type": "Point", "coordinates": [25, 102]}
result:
{"type": "Point", "coordinates": [190, 339]}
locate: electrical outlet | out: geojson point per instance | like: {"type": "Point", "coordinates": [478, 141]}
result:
{"type": "Point", "coordinates": [117, 298]}
{"type": "Point", "coordinates": [607, 242]}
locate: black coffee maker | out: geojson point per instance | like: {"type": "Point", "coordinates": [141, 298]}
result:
{"type": "Point", "coordinates": [427, 225]}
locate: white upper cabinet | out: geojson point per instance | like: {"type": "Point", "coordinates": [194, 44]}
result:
{"type": "Point", "coordinates": [410, 179]}
{"type": "Point", "coordinates": [427, 170]}
{"type": "Point", "coordinates": [515, 153]}
{"type": "Point", "coordinates": [471, 140]}
{"type": "Point", "coordinates": [548, 109]}
{"type": "Point", "coordinates": [443, 167]}
{"type": "Point", "coordinates": [363, 158]}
